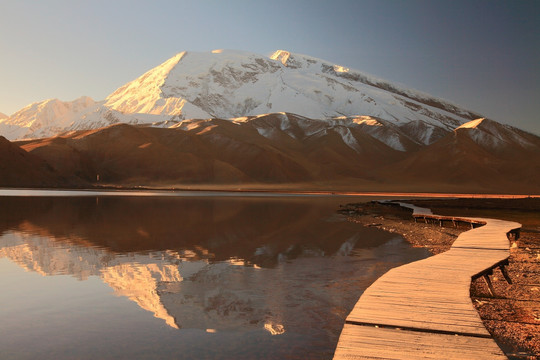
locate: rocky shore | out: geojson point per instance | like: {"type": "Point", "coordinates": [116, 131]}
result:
{"type": "Point", "coordinates": [512, 314]}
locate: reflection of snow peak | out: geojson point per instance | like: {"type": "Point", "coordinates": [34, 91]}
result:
{"type": "Point", "coordinates": [182, 291]}
{"type": "Point", "coordinates": [139, 283]}
{"type": "Point", "coordinates": [274, 329]}
{"type": "Point", "coordinates": [43, 256]}
{"type": "Point", "coordinates": [190, 293]}
{"type": "Point", "coordinates": [346, 248]}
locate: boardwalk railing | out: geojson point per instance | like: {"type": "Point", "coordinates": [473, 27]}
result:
{"type": "Point", "coordinates": [422, 310]}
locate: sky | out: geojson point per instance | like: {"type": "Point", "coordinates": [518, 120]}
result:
{"type": "Point", "coordinates": [481, 55]}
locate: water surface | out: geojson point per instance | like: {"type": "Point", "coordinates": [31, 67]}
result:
{"type": "Point", "coordinates": [184, 277]}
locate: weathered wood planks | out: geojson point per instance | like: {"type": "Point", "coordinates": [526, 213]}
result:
{"type": "Point", "coordinates": [379, 343]}
{"type": "Point", "coordinates": [422, 310]}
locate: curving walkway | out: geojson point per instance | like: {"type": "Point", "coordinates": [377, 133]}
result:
{"type": "Point", "coordinates": [422, 310]}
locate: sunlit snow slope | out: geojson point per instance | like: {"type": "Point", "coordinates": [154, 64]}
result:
{"type": "Point", "coordinates": [230, 84]}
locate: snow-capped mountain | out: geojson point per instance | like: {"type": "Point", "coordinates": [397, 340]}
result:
{"type": "Point", "coordinates": [231, 84]}
{"type": "Point", "coordinates": [497, 137]}
{"type": "Point", "coordinates": [53, 116]}
{"type": "Point", "coordinates": [230, 118]}
{"type": "Point", "coordinates": [44, 118]}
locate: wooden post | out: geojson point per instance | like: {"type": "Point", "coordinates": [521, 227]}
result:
{"type": "Point", "coordinates": [487, 280]}
{"type": "Point", "coordinates": [505, 273]}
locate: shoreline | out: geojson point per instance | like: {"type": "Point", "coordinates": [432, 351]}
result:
{"type": "Point", "coordinates": [285, 191]}
{"type": "Point", "coordinates": [512, 315]}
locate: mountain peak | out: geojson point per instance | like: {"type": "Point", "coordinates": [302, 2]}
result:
{"type": "Point", "coordinates": [477, 123]}
{"type": "Point", "coordinates": [281, 56]}
{"type": "Point", "coordinates": [3, 116]}
{"type": "Point", "coordinates": [144, 94]}
{"type": "Point", "coordinates": [486, 125]}
{"type": "Point", "coordinates": [493, 135]}
{"type": "Point", "coordinates": [229, 84]}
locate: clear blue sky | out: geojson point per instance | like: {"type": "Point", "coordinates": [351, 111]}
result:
{"type": "Point", "coordinates": [482, 55]}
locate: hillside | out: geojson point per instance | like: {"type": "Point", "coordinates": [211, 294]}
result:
{"type": "Point", "coordinates": [278, 151]}
{"type": "Point", "coordinates": [18, 168]}
{"type": "Point", "coordinates": [478, 155]}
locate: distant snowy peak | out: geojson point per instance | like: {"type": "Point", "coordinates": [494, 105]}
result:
{"type": "Point", "coordinates": [495, 135]}
{"type": "Point", "coordinates": [229, 84]}
{"type": "Point", "coordinates": [44, 118]}
{"type": "Point", "coordinates": [49, 111]}
{"type": "Point", "coordinates": [291, 61]}
{"type": "Point", "coordinates": [298, 61]}
{"type": "Point", "coordinates": [145, 94]}
{"type": "Point", "coordinates": [3, 116]}
{"type": "Point", "coordinates": [52, 117]}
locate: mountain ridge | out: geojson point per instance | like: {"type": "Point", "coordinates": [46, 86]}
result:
{"type": "Point", "coordinates": [277, 151]}
{"type": "Point", "coordinates": [233, 118]}
{"type": "Point", "coordinates": [229, 84]}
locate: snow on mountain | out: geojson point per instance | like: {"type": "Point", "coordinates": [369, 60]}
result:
{"type": "Point", "coordinates": [302, 128]}
{"type": "Point", "coordinates": [3, 116]}
{"type": "Point", "coordinates": [51, 117]}
{"type": "Point", "coordinates": [44, 118]}
{"type": "Point", "coordinates": [494, 135]}
{"type": "Point", "coordinates": [137, 276]}
{"type": "Point", "coordinates": [384, 131]}
{"type": "Point", "coordinates": [232, 84]}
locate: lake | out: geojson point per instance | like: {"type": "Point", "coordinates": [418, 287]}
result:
{"type": "Point", "coordinates": [195, 275]}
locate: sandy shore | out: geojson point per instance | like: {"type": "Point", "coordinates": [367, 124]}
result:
{"type": "Point", "coordinates": [512, 315]}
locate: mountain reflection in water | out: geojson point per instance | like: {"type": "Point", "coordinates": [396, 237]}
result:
{"type": "Point", "coordinates": [289, 268]}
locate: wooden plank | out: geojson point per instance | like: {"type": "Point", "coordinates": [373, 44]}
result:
{"type": "Point", "coordinates": [363, 342]}
{"type": "Point", "coordinates": [420, 307]}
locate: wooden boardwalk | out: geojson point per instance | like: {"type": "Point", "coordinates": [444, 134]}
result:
{"type": "Point", "coordinates": [422, 310]}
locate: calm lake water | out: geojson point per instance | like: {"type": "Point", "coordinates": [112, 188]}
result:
{"type": "Point", "coordinates": [87, 275]}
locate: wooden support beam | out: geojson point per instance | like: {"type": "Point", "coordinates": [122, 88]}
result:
{"type": "Point", "coordinates": [487, 280]}
{"type": "Point", "coordinates": [502, 267]}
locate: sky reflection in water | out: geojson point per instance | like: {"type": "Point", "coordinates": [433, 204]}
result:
{"type": "Point", "coordinates": [195, 277]}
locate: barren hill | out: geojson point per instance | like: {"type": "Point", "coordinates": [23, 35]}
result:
{"type": "Point", "coordinates": [18, 168]}
{"type": "Point", "coordinates": [478, 155]}
{"type": "Point", "coordinates": [263, 152]}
